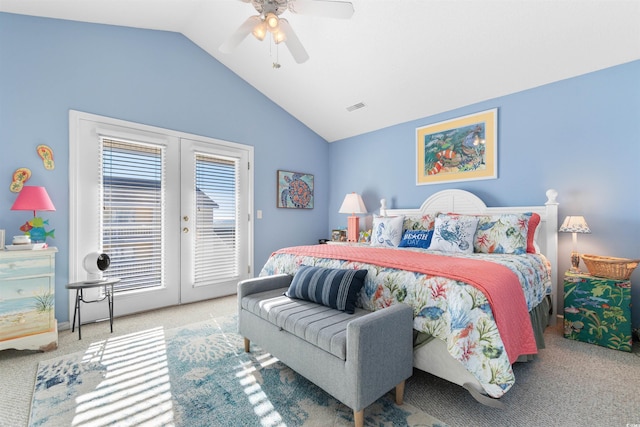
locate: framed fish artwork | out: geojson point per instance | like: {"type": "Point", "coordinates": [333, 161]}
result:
{"type": "Point", "coordinates": [461, 149]}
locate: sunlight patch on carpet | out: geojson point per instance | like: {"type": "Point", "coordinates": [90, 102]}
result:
{"type": "Point", "coordinates": [133, 385]}
{"type": "Point", "coordinates": [257, 398]}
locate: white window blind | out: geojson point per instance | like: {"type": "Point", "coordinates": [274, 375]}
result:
{"type": "Point", "coordinates": [132, 184]}
{"type": "Point", "coordinates": [216, 245]}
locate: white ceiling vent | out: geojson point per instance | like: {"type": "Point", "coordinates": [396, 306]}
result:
{"type": "Point", "coordinates": [355, 107]}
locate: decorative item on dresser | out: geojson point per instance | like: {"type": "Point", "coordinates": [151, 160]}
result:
{"type": "Point", "coordinates": [34, 199]}
{"type": "Point", "coordinates": [610, 267]}
{"type": "Point", "coordinates": [353, 205]}
{"type": "Point", "coordinates": [338, 235]}
{"type": "Point", "coordinates": [27, 300]}
{"type": "Point", "coordinates": [575, 225]}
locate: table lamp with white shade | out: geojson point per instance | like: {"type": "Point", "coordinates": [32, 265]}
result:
{"type": "Point", "coordinates": [574, 225]}
{"type": "Point", "coordinates": [353, 204]}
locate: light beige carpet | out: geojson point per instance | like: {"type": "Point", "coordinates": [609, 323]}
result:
{"type": "Point", "coordinates": [570, 383]}
{"type": "Point", "coordinates": [194, 375]}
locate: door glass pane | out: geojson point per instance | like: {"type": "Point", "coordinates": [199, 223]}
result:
{"type": "Point", "coordinates": [216, 245]}
{"type": "Point", "coordinates": [132, 178]}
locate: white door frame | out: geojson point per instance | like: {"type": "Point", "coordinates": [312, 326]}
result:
{"type": "Point", "coordinates": [79, 247]}
{"type": "Point", "coordinates": [189, 290]}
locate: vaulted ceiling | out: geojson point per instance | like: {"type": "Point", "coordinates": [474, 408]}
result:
{"type": "Point", "coordinates": [402, 59]}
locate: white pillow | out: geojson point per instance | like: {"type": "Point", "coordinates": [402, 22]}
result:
{"type": "Point", "coordinates": [454, 233]}
{"type": "Point", "coordinates": [386, 230]}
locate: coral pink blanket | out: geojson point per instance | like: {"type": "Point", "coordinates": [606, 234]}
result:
{"type": "Point", "coordinates": [499, 284]}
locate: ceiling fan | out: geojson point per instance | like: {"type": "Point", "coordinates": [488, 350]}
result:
{"type": "Point", "coordinates": [268, 21]}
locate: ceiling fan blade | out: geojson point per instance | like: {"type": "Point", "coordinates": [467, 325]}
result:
{"type": "Point", "coordinates": [243, 31]}
{"type": "Point", "coordinates": [328, 9]}
{"type": "Point", "coordinates": [293, 42]}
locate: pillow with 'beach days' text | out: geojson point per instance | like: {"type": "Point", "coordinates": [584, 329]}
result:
{"type": "Point", "coordinates": [416, 239]}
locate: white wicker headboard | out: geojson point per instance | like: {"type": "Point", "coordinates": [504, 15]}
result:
{"type": "Point", "coordinates": [464, 202]}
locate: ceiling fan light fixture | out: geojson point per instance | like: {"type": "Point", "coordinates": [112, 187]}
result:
{"type": "Point", "coordinates": [268, 21]}
{"type": "Point", "coordinates": [279, 37]}
{"type": "Point", "coordinates": [260, 30]}
{"type": "Point", "coordinates": [272, 21]}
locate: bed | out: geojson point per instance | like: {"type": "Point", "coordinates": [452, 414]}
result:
{"type": "Point", "coordinates": [476, 310]}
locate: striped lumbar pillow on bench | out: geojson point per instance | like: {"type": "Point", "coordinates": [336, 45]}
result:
{"type": "Point", "coordinates": [332, 287]}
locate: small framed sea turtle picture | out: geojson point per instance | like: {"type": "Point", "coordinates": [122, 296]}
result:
{"type": "Point", "coordinates": [295, 190]}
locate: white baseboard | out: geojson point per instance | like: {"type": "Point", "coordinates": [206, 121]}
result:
{"type": "Point", "coordinates": [63, 326]}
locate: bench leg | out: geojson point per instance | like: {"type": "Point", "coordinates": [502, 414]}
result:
{"type": "Point", "coordinates": [400, 393]}
{"type": "Point", "coordinates": [247, 345]}
{"type": "Point", "coordinates": [358, 418]}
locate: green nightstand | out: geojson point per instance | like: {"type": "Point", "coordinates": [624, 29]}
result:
{"type": "Point", "coordinates": [597, 310]}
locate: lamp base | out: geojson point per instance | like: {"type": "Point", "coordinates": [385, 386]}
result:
{"type": "Point", "coordinates": [575, 262]}
{"type": "Point", "coordinates": [353, 229]}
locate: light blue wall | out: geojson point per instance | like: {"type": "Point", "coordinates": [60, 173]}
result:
{"type": "Point", "coordinates": [580, 136]}
{"type": "Point", "coordinates": [48, 67]}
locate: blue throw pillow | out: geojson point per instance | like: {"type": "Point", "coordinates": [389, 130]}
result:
{"type": "Point", "coordinates": [416, 239]}
{"type": "Point", "coordinates": [332, 287]}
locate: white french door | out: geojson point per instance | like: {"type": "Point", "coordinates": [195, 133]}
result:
{"type": "Point", "coordinates": [170, 209]}
{"type": "Point", "coordinates": [215, 220]}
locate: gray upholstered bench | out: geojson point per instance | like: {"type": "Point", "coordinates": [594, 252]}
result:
{"type": "Point", "coordinates": [356, 358]}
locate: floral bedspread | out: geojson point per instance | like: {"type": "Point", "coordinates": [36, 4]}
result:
{"type": "Point", "coordinates": [453, 311]}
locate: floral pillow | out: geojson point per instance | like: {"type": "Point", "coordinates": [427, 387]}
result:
{"type": "Point", "coordinates": [502, 234]}
{"type": "Point", "coordinates": [424, 222]}
{"type": "Point", "coordinates": [454, 233]}
{"type": "Point", "coordinates": [386, 230]}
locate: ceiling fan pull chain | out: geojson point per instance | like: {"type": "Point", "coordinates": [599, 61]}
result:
{"type": "Point", "coordinates": [276, 64]}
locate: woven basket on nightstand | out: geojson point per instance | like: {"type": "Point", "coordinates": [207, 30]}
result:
{"type": "Point", "coordinates": [610, 267]}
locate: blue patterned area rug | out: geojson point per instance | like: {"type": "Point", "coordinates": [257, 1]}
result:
{"type": "Point", "coordinates": [197, 375]}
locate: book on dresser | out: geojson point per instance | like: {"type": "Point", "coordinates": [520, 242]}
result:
{"type": "Point", "coordinates": [27, 300]}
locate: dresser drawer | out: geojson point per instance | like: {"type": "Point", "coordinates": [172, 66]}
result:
{"type": "Point", "coordinates": [27, 300]}
{"type": "Point", "coordinates": [27, 266]}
